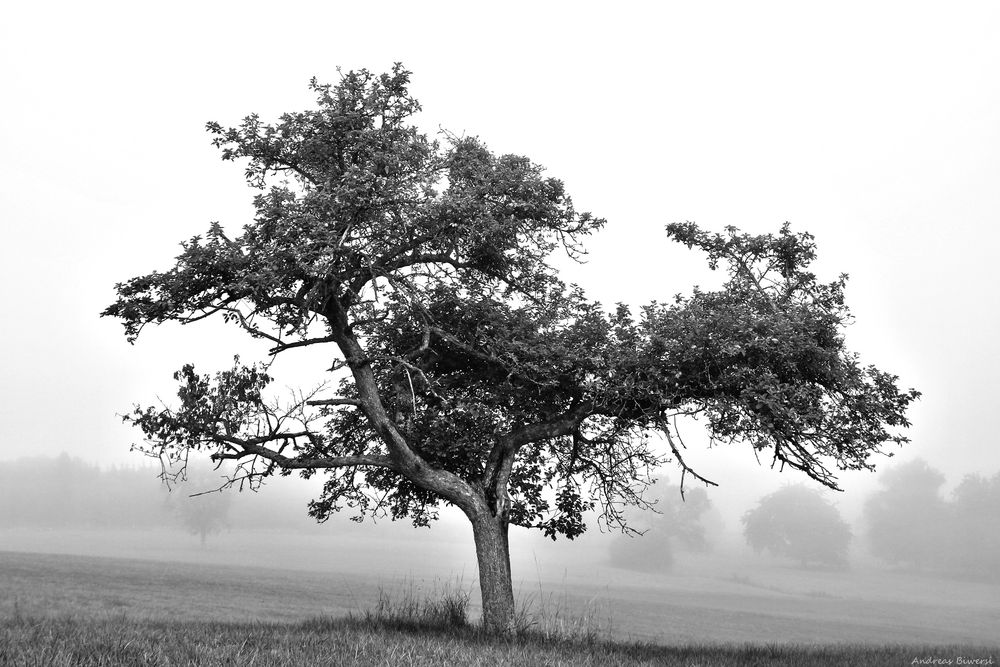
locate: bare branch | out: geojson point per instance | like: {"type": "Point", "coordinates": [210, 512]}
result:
{"type": "Point", "coordinates": [685, 468]}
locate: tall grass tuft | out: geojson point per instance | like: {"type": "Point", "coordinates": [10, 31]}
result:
{"type": "Point", "coordinates": [444, 608]}
{"type": "Point", "coordinates": [553, 618]}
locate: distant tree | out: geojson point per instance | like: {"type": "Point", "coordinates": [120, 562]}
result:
{"type": "Point", "coordinates": [468, 373]}
{"type": "Point", "coordinates": [677, 525]}
{"type": "Point", "coordinates": [685, 519]}
{"type": "Point", "coordinates": [796, 522]}
{"type": "Point", "coordinates": [204, 511]}
{"type": "Point", "coordinates": [973, 518]}
{"type": "Point", "coordinates": [906, 520]}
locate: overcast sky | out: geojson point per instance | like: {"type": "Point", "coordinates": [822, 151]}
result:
{"type": "Point", "coordinates": [875, 126]}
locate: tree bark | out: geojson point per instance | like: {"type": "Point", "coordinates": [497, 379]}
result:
{"type": "Point", "coordinates": [493, 554]}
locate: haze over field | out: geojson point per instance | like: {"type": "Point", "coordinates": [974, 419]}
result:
{"type": "Point", "coordinates": [126, 512]}
{"type": "Point", "coordinates": [267, 563]}
{"type": "Point", "coordinates": [873, 126]}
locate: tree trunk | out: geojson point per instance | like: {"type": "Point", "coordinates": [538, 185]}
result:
{"type": "Point", "coordinates": [493, 554]}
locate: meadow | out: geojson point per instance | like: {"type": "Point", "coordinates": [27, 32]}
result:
{"type": "Point", "coordinates": [362, 642]}
{"type": "Point", "coordinates": [236, 604]}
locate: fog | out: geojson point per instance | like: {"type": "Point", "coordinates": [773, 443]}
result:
{"type": "Point", "coordinates": [66, 506]}
{"type": "Point", "coordinates": [874, 129]}
{"type": "Point", "coordinates": [907, 576]}
{"type": "Point", "coordinates": [872, 126]}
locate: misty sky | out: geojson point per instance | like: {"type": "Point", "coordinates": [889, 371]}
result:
{"type": "Point", "coordinates": [875, 126]}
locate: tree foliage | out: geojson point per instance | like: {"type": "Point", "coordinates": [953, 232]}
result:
{"type": "Point", "coordinates": [465, 371]}
{"type": "Point", "coordinates": [796, 522]}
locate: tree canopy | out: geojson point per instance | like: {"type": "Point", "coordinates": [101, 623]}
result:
{"type": "Point", "coordinates": [798, 523]}
{"type": "Point", "coordinates": [466, 371]}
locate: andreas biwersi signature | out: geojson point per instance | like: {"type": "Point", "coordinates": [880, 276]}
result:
{"type": "Point", "coordinates": [957, 660]}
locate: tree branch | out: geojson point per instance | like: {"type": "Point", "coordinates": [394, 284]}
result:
{"type": "Point", "coordinates": [247, 448]}
{"type": "Point", "coordinates": [335, 401]}
{"type": "Point", "coordinates": [685, 468]}
{"type": "Point", "coordinates": [281, 347]}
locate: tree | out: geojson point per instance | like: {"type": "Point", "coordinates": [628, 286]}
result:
{"type": "Point", "coordinates": [468, 373]}
{"type": "Point", "coordinates": [906, 520]}
{"type": "Point", "coordinates": [204, 511]}
{"type": "Point", "coordinates": [974, 527]}
{"type": "Point", "coordinates": [798, 523]}
{"type": "Point", "coordinates": [910, 523]}
{"type": "Point", "coordinates": [678, 524]}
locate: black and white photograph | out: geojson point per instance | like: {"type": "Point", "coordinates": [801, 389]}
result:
{"type": "Point", "coordinates": [524, 333]}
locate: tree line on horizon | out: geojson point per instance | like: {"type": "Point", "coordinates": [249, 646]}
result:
{"type": "Point", "coordinates": [907, 523]}
{"type": "Point", "coordinates": [67, 492]}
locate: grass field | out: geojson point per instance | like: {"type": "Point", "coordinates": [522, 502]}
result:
{"type": "Point", "coordinates": [226, 605]}
{"type": "Point", "coordinates": [364, 642]}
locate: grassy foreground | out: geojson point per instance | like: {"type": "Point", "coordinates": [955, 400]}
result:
{"type": "Point", "coordinates": [60, 610]}
{"type": "Point", "coordinates": [372, 640]}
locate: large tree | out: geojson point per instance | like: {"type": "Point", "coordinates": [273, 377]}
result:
{"type": "Point", "coordinates": [467, 373]}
